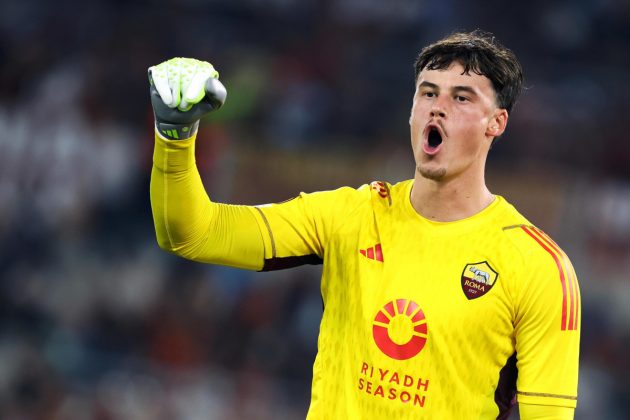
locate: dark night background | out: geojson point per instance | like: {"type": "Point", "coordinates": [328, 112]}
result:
{"type": "Point", "coordinates": [97, 323]}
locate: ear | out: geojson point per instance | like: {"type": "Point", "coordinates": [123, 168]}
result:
{"type": "Point", "coordinates": [498, 123]}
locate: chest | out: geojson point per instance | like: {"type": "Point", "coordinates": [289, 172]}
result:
{"type": "Point", "coordinates": [457, 283]}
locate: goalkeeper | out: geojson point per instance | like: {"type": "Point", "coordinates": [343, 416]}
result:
{"type": "Point", "coordinates": [440, 299]}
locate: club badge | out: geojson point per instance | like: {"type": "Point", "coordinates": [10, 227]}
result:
{"type": "Point", "coordinates": [478, 279]}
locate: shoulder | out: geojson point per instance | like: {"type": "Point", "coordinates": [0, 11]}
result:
{"type": "Point", "coordinates": [371, 193]}
{"type": "Point", "coordinates": [543, 261]}
{"type": "Point", "coordinates": [345, 202]}
{"type": "Point", "coordinates": [531, 240]}
{"type": "Point", "coordinates": [536, 250]}
{"type": "Point", "coordinates": [347, 197]}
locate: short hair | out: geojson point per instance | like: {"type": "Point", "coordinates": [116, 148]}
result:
{"type": "Point", "coordinates": [481, 53]}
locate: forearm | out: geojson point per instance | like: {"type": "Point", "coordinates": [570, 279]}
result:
{"type": "Point", "coordinates": [188, 223]}
{"type": "Point", "coordinates": [545, 412]}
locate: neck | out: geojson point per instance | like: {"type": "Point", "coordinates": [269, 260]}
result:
{"type": "Point", "coordinates": [450, 200]}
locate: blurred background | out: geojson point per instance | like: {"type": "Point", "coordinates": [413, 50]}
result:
{"type": "Point", "coordinates": [97, 323]}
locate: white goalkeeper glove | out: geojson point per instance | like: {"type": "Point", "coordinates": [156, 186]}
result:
{"type": "Point", "coordinates": [183, 90]}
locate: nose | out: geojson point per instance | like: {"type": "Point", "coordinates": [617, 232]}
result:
{"type": "Point", "coordinates": [437, 111]}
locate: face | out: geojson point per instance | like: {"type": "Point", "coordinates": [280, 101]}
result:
{"type": "Point", "coordinates": [453, 121]}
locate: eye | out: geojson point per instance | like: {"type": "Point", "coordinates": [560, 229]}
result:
{"type": "Point", "coordinates": [429, 94]}
{"type": "Point", "coordinates": [460, 98]}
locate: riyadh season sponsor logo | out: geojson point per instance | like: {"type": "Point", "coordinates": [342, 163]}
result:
{"type": "Point", "coordinates": [400, 332]}
{"type": "Point", "coordinates": [400, 329]}
{"type": "Point", "coordinates": [391, 385]}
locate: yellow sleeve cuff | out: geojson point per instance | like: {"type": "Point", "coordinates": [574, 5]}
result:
{"type": "Point", "coordinates": [544, 399]}
{"type": "Point", "coordinates": [544, 412]}
{"type": "Point", "coordinates": [173, 155]}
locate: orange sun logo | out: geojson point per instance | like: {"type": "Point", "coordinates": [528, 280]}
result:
{"type": "Point", "coordinates": [400, 329]}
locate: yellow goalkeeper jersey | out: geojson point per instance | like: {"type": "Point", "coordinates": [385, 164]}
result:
{"type": "Point", "coordinates": [421, 319]}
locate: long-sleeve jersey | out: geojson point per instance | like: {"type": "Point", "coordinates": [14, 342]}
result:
{"type": "Point", "coordinates": [421, 319]}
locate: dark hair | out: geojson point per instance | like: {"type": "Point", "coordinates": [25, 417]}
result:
{"type": "Point", "coordinates": [479, 52]}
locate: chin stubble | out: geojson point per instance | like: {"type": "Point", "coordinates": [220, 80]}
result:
{"type": "Point", "coordinates": [433, 174]}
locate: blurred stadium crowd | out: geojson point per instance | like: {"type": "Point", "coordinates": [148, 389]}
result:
{"type": "Point", "coordinates": [97, 323]}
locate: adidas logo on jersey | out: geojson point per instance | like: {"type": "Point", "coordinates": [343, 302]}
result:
{"type": "Point", "coordinates": [373, 253]}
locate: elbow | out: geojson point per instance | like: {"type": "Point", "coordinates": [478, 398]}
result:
{"type": "Point", "coordinates": [183, 251]}
{"type": "Point", "coordinates": [166, 245]}
{"type": "Point", "coordinates": [164, 239]}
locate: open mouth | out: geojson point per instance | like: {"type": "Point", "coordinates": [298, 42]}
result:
{"type": "Point", "coordinates": [434, 138]}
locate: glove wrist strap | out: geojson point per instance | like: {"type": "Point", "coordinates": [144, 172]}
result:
{"type": "Point", "coordinates": [177, 131]}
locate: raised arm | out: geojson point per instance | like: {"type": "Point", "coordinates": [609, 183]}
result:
{"type": "Point", "coordinates": [186, 222]}
{"type": "Point", "coordinates": [189, 224]}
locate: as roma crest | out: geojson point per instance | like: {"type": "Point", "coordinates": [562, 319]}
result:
{"type": "Point", "coordinates": [478, 279]}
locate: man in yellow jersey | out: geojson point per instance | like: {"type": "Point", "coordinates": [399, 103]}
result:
{"type": "Point", "coordinates": [441, 301]}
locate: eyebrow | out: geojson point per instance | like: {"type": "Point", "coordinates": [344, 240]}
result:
{"type": "Point", "coordinates": [468, 89]}
{"type": "Point", "coordinates": [429, 84]}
